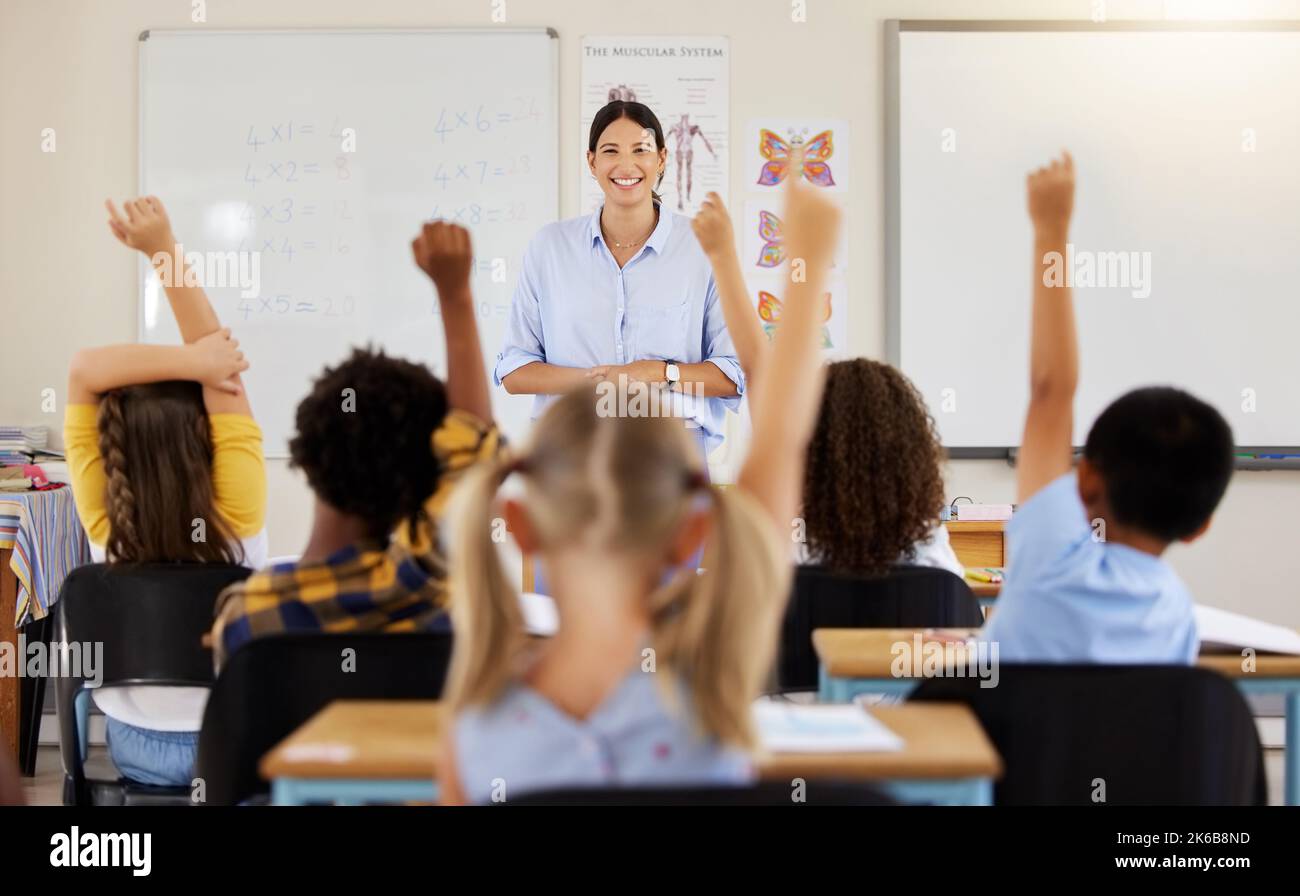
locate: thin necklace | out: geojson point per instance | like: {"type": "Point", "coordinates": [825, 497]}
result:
{"type": "Point", "coordinates": [618, 245]}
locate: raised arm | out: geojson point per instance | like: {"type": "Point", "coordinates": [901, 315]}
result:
{"type": "Point", "coordinates": [1047, 446]}
{"type": "Point", "coordinates": [443, 251]}
{"type": "Point", "coordinates": [784, 403]}
{"type": "Point", "coordinates": [215, 361]}
{"type": "Point", "coordinates": [713, 229]}
{"type": "Point", "coordinates": [143, 225]}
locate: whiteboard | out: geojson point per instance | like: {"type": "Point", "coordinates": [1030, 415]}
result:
{"type": "Point", "coordinates": [242, 137]}
{"type": "Point", "coordinates": [1186, 145]}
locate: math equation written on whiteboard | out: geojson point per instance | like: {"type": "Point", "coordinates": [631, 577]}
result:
{"type": "Point", "coordinates": [303, 203]}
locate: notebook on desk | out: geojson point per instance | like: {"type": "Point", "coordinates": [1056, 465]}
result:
{"type": "Point", "coordinates": [794, 728]}
{"type": "Point", "coordinates": [1224, 632]}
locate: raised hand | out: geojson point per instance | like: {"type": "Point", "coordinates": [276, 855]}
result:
{"type": "Point", "coordinates": [217, 360]}
{"type": "Point", "coordinates": [1051, 196]}
{"type": "Point", "coordinates": [143, 225]}
{"type": "Point", "coordinates": [443, 251]}
{"type": "Point", "coordinates": [712, 226]}
{"type": "Point", "coordinates": [811, 223]}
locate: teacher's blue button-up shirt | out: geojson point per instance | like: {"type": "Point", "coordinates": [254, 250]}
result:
{"type": "Point", "coordinates": [574, 307]}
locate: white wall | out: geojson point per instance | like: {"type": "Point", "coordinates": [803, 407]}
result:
{"type": "Point", "coordinates": [65, 283]}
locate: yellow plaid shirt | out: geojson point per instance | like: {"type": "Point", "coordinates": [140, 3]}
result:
{"type": "Point", "coordinates": [398, 587]}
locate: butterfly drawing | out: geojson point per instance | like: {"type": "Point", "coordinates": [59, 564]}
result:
{"type": "Point", "coordinates": [778, 152]}
{"type": "Point", "coordinates": [769, 310]}
{"type": "Point", "coordinates": [769, 228]}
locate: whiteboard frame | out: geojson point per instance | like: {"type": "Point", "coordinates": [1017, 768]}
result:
{"type": "Point", "coordinates": [894, 29]}
{"type": "Point", "coordinates": [142, 70]}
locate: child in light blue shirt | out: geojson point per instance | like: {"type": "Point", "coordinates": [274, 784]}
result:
{"type": "Point", "coordinates": [1085, 579]}
{"type": "Point", "coordinates": [634, 737]}
{"type": "Point", "coordinates": [1070, 597]}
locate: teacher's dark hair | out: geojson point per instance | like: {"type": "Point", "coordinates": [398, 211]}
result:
{"type": "Point", "coordinates": [638, 112]}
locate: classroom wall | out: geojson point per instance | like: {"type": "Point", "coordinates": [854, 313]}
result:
{"type": "Point", "coordinates": [65, 283]}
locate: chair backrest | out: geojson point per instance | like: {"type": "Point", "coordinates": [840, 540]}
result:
{"type": "Point", "coordinates": [149, 621]}
{"type": "Point", "coordinates": [1115, 735]}
{"type": "Point", "coordinates": [904, 597]}
{"type": "Point", "coordinates": [764, 793]}
{"type": "Point", "coordinates": [150, 618]}
{"type": "Point", "coordinates": [270, 686]}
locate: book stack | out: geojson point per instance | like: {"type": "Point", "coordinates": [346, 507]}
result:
{"type": "Point", "coordinates": [25, 446]}
{"type": "Point", "coordinates": [13, 446]}
{"type": "Point", "coordinates": [19, 444]}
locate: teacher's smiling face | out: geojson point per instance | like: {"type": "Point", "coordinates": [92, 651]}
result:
{"type": "Point", "coordinates": [627, 163]}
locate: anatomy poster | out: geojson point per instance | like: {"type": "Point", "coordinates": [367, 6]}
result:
{"type": "Point", "coordinates": [762, 238]}
{"type": "Point", "coordinates": [771, 144]}
{"type": "Point", "coordinates": [684, 82]}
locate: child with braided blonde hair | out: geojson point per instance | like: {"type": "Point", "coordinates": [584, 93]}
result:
{"type": "Point", "coordinates": [644, 683]}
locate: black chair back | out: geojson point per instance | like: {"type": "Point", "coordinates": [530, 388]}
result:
{"type": "Point", "coordinates": [270, 686]}
{"type": "Point", "coordinates": [1115, 735]}
{"type": "Point", "coordinates": [905, 597]}
{"type": "Point", "coordinates": [140, 625]}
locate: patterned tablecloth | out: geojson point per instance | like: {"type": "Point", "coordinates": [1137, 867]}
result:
{"type": "Point", "coordinates": [48, 543]}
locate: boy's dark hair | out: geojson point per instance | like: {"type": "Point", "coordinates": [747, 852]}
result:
{"type": "Point", "coordinates": [1165, 457]}
{"type": "Point", "coordinates": [369, 451]}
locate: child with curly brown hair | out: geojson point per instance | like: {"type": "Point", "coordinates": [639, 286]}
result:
{"type": "Point", "coordinates": [382, 442]}
{"type": "Point", "coordinates": [873, 478]}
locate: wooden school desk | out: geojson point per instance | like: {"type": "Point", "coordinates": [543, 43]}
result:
{"type": "Point", "coordinates": [860, 661]}
{"type": "Point", "coordinates": [357, 751]}
{"type": "Point", "coordinates": [978, 543]}
{"type": "Point", "coordinates": [985, 592]}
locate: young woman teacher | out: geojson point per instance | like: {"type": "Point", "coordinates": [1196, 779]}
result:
{"type": "Point", "coordinates": [626, 290]}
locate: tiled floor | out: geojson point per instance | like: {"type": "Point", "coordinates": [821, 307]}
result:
{"type": "Point", "coordinates": [46, 789]}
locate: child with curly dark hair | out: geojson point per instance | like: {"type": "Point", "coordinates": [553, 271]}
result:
{"type": "Point", "coordinates": [873, 484]}
{"type": "Point", "coordinates": [873, 479]}
{"type": "Point", "coordinates": [382, 442]}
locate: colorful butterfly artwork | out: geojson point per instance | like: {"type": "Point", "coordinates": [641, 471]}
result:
{"type": "Point", "coordinates": [778, 153]}
{"type": "Point", "coordinates": [769, 310]}
{"type": "Point", "coordinates": [769, 228]}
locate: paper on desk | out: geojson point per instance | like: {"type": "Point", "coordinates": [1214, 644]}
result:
{"type": "Point", "coordinates": [318, 752]}
{"type": "Point", "coordinates": [983, 512]}
{"type": "Point", "coordinates": [792, 728]}
{"type": "Point", "coordinates": [1222, 631]}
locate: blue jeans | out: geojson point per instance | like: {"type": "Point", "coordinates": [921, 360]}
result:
{"type": "Point", "coordinates": [164, 758]}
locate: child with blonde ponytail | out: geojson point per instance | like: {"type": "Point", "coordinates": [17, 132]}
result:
{"type": "Point", "coordinates": [645, 683]}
